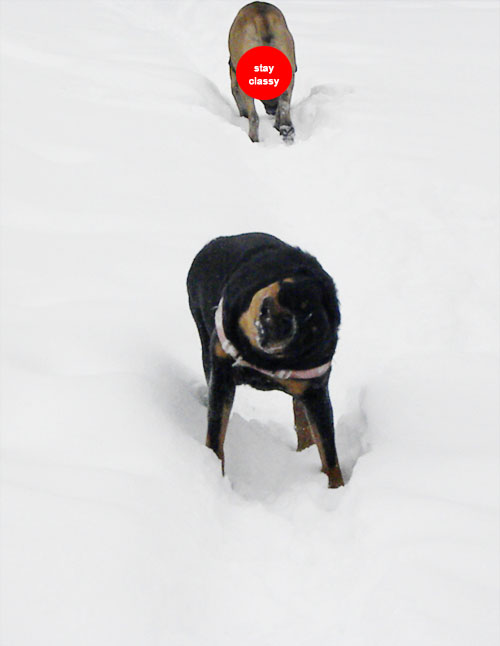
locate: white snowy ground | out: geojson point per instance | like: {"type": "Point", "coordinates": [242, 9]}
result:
{"type": "Point", "coordinates": [122, 155]}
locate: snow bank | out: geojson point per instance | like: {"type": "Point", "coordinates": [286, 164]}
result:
{"type": "Point", "coordinates": [122, 155]}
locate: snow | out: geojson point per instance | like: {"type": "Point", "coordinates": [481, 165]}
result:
{"type": "Point", "coordinates": [123, 154]}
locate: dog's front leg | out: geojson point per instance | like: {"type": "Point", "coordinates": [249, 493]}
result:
{"type": "Point", "coordinates": [320, 416]}
{"type": "Point", "coordinates": [221, 389]}
{"type": "Point", "coordinates": [305, 437]}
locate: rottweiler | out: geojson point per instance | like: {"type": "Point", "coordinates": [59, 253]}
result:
{"type": "Point", "coordinates": [268, 315]}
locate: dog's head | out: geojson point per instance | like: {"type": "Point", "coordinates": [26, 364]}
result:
{"type": "Point", "coordinates": [293, 320]}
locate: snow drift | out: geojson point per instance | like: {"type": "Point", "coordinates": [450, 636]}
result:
{"type": "Point", "coordinates": [122, 155]}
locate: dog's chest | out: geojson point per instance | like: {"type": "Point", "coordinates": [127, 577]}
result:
{"type": "Point", "coordinates": [250, 377]}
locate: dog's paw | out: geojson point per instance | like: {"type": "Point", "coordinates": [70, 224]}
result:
{"type": "Point", "coordinates": [288, 134]}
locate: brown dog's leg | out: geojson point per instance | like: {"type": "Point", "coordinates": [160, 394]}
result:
{"type": "Point", "coordinates": [302, 427]}
{"type": "Point", "coordinates": [246, 106]}
{"type": "Point", "coordinates": [319, 413]}
{"type": "Point", "coordinates": [235, 89]}
{"type": "Point", "coordinates": [283, 122]}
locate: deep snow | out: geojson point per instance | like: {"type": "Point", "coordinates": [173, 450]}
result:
{"type": "Point", "coordinates": [122, 154]}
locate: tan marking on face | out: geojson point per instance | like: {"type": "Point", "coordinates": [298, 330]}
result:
{"type": "Point", "coordinates": [249, 318]}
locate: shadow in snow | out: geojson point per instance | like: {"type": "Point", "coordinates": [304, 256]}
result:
{"type": "Point", "coordinates": [179, 392]}
{"type": "Point", "coordinates": [205, 93]}
{"type": "Point", "coordinates": [261, 460]}
{"type": "Point", "coordinates": [319, 109]}
{"type": "Point", "coordinates": [351, 433]}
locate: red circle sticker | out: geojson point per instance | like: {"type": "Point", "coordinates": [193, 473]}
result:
{"type": "Point", "coordinates": [264, 72]}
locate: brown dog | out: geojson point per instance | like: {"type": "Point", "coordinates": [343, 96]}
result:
{"type": "Point", "coordinates": [258, 24]}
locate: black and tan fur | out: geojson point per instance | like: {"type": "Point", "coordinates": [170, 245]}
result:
{"type": "Point", "coordinates": [280, 312]}
{"type": "Point", "coordinates": [258, 24]}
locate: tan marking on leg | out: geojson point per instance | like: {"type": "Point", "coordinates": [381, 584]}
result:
{"type": "Point", "coordinates": [226, 412]}
{"type": "Point", "coordinates": [294, 387]}
{"type": "Point", "coordinates": [302, 427]}
{"type": "Point", "coordinates": [334, 474]}
{"type": "Point", "coordinates": [219, 450]}
{"type": "Point", "coordinates": [335, 478]}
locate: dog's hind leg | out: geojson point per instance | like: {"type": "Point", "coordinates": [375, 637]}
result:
{"type": "Point", "coordinates": [302, 426]}
{"type": "Point", "coordinates": [204, 339]}
{"type": "Point", "coordinates": [283, 122]}
{"type": "Point", "coordinates": [246, 106]}
{"type": "Point", "coordinates": [320, 415]}
{"type": "Point", "coordinates": [271, 106]}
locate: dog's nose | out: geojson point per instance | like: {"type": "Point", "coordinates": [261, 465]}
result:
{"type": "Point", "coordinates": [276, 324]}
{"type": "Point", "coordinates": [283, 326]}
{"type": "Point", "coordinates": [266, 309]}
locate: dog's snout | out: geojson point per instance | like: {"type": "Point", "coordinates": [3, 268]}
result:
{"type": "Point", "coordinates": [266, 308]}
{"type": "Point", "coordinates": [284, 326]}
{"type": "Point", "coordinates": [276, 325]}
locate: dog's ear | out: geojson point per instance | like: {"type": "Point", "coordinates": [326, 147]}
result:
{"type": "Point", "coordinates": [301, 292]}
{"type": "Point", "coordinates": [330, 301]}
{"type": "Point", "coordinates": [312, 289]}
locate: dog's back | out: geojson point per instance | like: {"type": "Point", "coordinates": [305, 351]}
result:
{"type": "Point", "coordinates": [262, 24]}
{"type": "Point", "coordinates": [257, 24]}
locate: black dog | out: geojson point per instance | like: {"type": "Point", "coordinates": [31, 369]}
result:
{"type": "Point", "coordinates": [267, 315]}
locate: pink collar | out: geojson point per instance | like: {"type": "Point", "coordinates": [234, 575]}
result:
{"type": "Point", "coordinates": [229, 349]}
